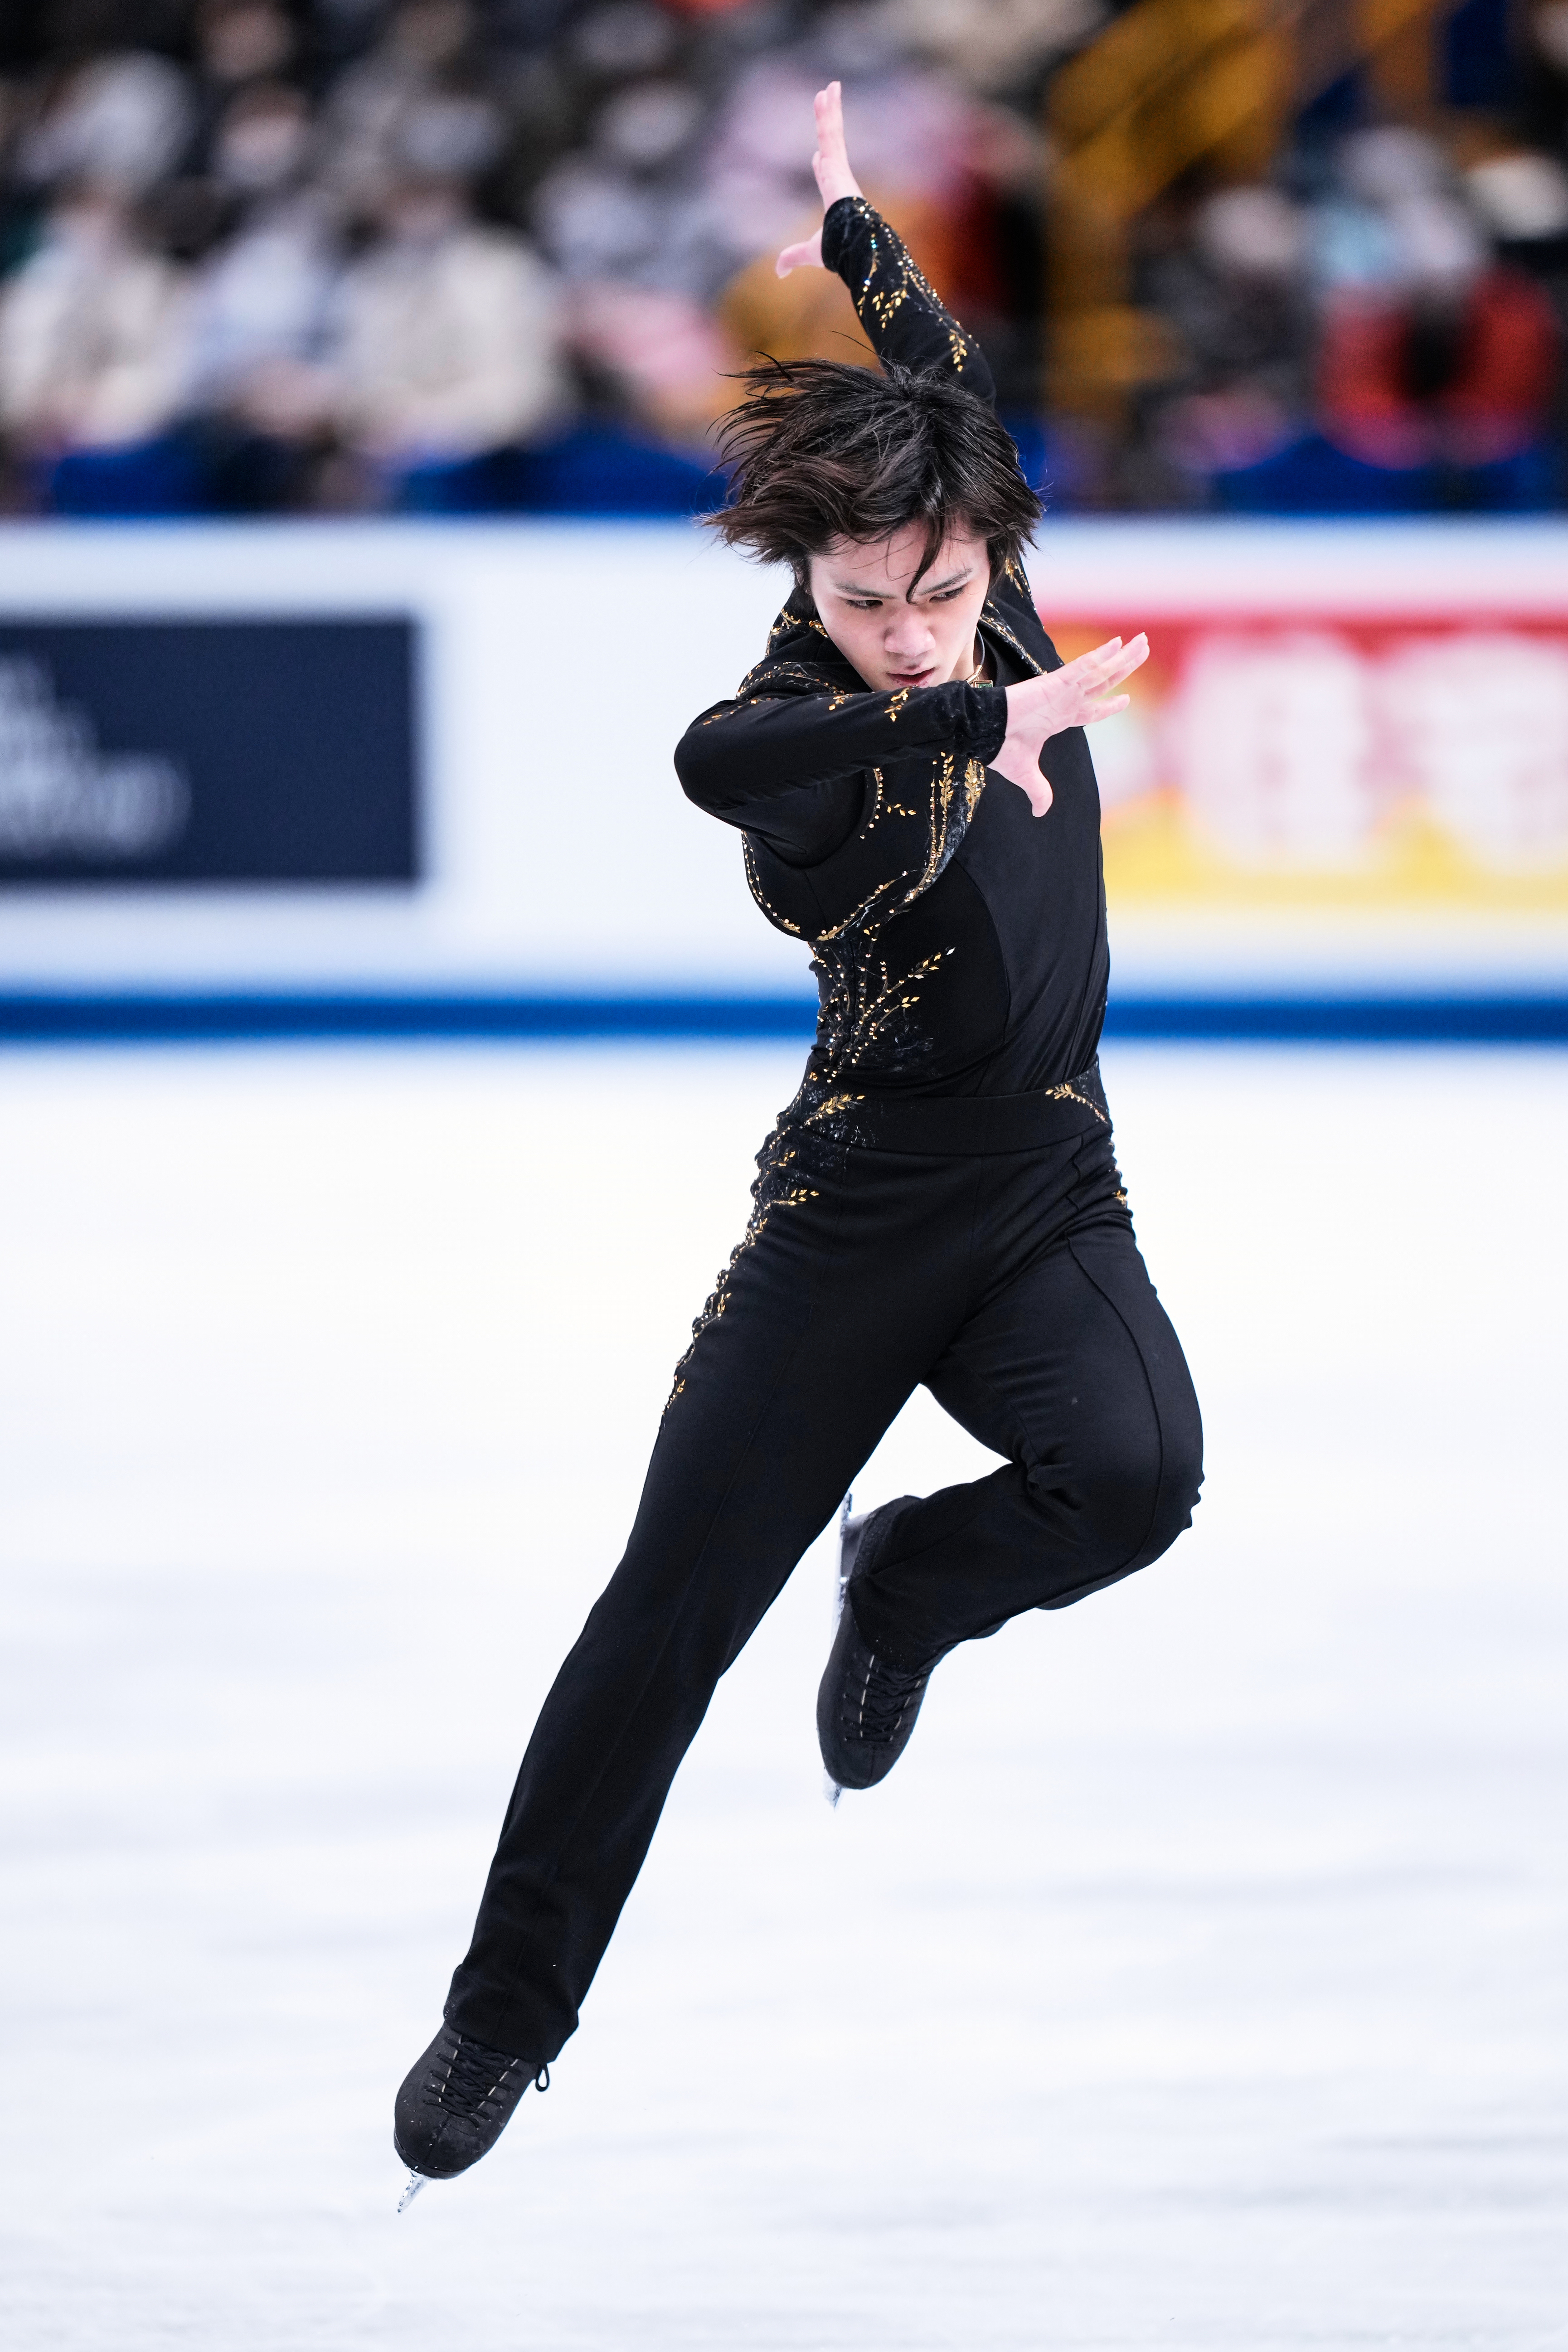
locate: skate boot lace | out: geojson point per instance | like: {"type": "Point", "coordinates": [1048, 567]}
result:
{"type": "Point", "coordinates": [885, 1698]}
{"type": "Point", "coordinates": [475, 2075]}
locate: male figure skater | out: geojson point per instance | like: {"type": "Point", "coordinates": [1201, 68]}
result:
{"type": "Point", "coordinates": [939, 1204]}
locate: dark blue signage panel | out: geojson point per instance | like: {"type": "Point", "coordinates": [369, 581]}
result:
{"type": "Point", "coordinates": [207, 751]}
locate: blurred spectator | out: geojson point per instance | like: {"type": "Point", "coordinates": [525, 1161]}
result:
{"type": "Point", "coordinates": [663, 358]}
{"type": "Point", "coordinates": [1235, 293]}
{"type": "Point", "coordinates": [995, 47]}
{"type": "Point", "coordinates": [429, 49]}
{"type": "Point", "coordinates": [353, 193]}
{"type": "Point", "coordinates": [257, 379]}
{"type": "Point", "coordinates": [239, 44]}
{"type": "Point", "coordinates": [91, 345]}
{"type": "Point", "coordinates": [449, 350]}
{"type": "Point", "coordinates": [118, 122]}
{"type": "Point", "coordinates": [1432, 356]}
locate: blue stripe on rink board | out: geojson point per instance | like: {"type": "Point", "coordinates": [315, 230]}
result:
{"type": "Point", "coordinates": [41, 1017]}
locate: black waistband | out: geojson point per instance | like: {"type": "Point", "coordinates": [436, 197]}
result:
{"type": "Point", "coordinates": [954, 1123]}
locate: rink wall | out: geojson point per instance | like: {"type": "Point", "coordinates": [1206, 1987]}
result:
{"type": "Point", "coordinates": [388, 778]}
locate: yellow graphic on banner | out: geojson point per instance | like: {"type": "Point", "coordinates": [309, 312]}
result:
{"type": "Point", "coordinates": [1338, 763]}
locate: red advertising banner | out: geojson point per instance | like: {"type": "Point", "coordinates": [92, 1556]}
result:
{"type": "Point", "coordinates": [1316, 759]}
{"type": "Point", "coordinates": [1341, 720]}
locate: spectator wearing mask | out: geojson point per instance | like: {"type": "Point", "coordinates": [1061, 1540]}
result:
{"type": "Point", "coordinates": [240, 45]}
{"type": "Point", "coordinates": [256, 381]}
{"type": "Point", "coordinates": [428, 50]}
{"type": "Point", "coordinates": [1234, 293]}
{"type": "Point", "coordinates": [448, 354]}
{"type": "Point", "coordinates": [1434, 369]}
{"type": "Point", "coordinates": [91, 348]}
{"type": "Point", "coordinates": [119, 121]}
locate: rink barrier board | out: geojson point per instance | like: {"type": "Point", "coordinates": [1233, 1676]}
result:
{"type": "Point", "coordinates": [1277, 829]}
{"type": "Point", "coordinates": [67, 1018]}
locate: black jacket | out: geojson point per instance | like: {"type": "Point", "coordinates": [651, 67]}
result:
{"type": "Point", "coordinates": [959, 942]}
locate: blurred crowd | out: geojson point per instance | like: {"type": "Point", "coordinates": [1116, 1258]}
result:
{"type": "Point", "coordinates": [1380, 328]}
{"type": "Point", "coordinates": [467, 254]}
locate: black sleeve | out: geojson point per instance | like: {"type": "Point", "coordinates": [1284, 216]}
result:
{"type": "Point", "coordinates": [747, 760]}
{"type": "Point", "coordinates": [897, 307]}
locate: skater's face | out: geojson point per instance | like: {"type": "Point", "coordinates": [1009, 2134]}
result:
{"type": "Point", "coordinates": [895, 630]}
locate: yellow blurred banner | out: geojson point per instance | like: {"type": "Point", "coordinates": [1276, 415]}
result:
{"type": "Point", "coordinates": [1337, 759]}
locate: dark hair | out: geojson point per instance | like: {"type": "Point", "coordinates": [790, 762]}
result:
{"type": "Point", "coordinates": [819, 450]}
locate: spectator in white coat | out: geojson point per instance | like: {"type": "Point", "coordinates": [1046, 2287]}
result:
{"type": "Point", "coordinates": [91, 334]}
{"type": "Point", "coordinates": [262, 308]}
{"type": "Point", "coordinates": [450, 337]}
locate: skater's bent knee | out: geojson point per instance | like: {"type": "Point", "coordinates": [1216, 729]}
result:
{"type": "Point", "coordinates": [1182, 1477]}
{"type": "Point", "coordinates": [1129, 1504]}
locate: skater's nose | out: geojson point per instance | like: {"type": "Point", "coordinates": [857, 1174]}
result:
{"type": "Point", "coordinates": [907, 638]}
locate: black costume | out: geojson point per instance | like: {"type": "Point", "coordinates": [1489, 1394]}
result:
{"type": "Point", "coordinates": [940, 1203]}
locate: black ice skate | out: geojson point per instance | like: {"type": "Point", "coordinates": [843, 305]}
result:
{"type": "Point", "coordinates": [454, 2105]}
{"type": "Point", "coordinates": [866, 1706]}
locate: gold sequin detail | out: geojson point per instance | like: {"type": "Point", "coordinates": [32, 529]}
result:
{"type": "Point", "coordinates": [990, 618]}
{"type": "Point", "coordinates": [780, 922]}
{"type": "Point", "coordinates": [1068, 1092]}
{"type": "Point", "coordinates": [885, 290]}
{"type": "Point", "coordinates": [775, 1188]}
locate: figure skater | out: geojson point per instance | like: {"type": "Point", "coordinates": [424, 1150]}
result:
{"type": "Point", "coordinates": [940, 1201]}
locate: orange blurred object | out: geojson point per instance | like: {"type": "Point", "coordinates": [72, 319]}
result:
{"type": "Point", "coordinates": [809, 314]}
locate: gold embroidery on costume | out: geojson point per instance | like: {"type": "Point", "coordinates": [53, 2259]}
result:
{"type": "Point", "coordinates": [865, 1008]}
{"type": "Point", "coordinates": [1068, 1092]}
{"type": "Point", "coordinates": [780, 922]}
{"type": "Point", "coordinates": [990, 618]}
{"type": "Point", "coordinates": [883, 294]}
{"type": "Point", "coordinates": [775, 1188]}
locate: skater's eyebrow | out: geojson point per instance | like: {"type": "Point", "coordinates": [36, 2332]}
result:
{"type": "Point", "coordinates": [930, 587]}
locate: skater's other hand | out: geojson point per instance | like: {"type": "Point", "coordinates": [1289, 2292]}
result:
{"type": "Point", "coordinates": [1074, 696]}
{"type": "Point", "coordinates": [834, 178]}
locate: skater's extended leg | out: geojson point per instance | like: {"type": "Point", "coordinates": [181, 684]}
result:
{"type": "Point", "coordinates": [828, 1320]}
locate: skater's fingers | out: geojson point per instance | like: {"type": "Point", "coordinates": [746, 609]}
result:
{"type": "Point", "coordinates": [1091, 672]}
{"type": "Point", "coordinates": [1116, 660]}
{"type": "Point", "coordinates": [1106, 710]}
{"type": "Point", "coordinates": [807, 255]}
{"type": "Point", "coordinates": [830, 165]}
{"type": "Point", "coordinates": [1133, 656]}
{"type": "Point", "coordinates": [1094, 664]}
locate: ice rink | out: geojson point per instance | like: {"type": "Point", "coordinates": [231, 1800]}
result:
{"type": "Point", "coordinates": [1200, 1979]}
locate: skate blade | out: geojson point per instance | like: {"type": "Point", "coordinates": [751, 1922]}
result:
{"type": "Point", "coordinates": [412, 2187]}
{"type": "Point", "coordinates": [831, 1789]}
{"type": "Point", "coordinates": [840, 1581]}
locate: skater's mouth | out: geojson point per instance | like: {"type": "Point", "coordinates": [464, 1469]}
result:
{"type": "Point", "coordinates": [912, 677]}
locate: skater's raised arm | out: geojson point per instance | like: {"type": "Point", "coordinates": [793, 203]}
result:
{"type": "Point", "coordinates": [900, 312]}
{"type": "Point", "coordinates": [896, 498]}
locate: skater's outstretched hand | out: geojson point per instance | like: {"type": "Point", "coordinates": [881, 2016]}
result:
{"type": "Point", "coordinates": [834, 178]}
{"type": "Point", "coordinates": [1074, 696]}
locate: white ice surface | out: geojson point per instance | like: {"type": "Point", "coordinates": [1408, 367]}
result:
{"type": "Point", "coordinates": [1200, 1980]}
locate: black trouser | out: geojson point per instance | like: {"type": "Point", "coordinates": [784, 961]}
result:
{"type": "Point", "coordinates": [1007, 1281]}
